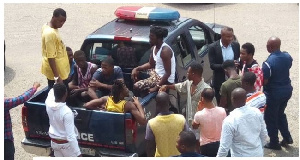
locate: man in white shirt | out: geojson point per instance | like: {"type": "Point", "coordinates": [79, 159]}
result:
{"type": "Point", "coordinates": [62, 130]}
{"type": "Point", "coordinates": [244, 131]}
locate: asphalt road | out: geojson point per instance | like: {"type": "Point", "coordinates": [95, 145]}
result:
{"type": "Point", "coordinates": [253, 23]}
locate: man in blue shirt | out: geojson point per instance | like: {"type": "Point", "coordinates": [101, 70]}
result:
{"type": "Point", "coordinates": [278, 90]}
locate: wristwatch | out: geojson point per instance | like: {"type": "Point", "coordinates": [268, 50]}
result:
{"type": "Point", "coordinates": [56, 78]}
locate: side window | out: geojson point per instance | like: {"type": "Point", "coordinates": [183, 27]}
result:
{"type": "Point", "coordinates": [182, 51]}
{"type": "Point", "coordinates": [199, 38]}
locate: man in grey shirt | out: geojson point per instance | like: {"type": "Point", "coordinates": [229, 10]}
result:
{"type": "Point", "coordinates": [244, 131]}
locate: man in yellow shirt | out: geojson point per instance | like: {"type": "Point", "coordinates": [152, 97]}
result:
{"type": "Point", "coordinates": [162, 131]}
{"type": "Point", "coordinates": [55, 62]}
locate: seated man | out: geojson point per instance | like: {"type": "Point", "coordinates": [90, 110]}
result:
{"type": "Point", "coordinates": [126, 56]}
{"type": "Point", "coordinates": [72, 63]}
{"type": "Point", "coordinates": [186, 144]}
{"type": "Point", "coordinates": [161, 63]}
{"type": "Point", "coordinates": [83, 72]}
{"type": "Point", "coordinates": [116, 103]}
{"type": "Point", "coordinates": [103, 79]}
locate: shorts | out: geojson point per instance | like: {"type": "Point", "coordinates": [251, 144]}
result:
{"type": "Point", "coordinates": [65, 150]}
{"type": "Point", "coordinates": [149, 82]}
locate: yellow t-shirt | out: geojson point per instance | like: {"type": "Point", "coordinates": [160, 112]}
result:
{"type": "Point", "coordinates": [111, 106]}
{"type": "Point", "coordinates": [53, 47]}
{"type": "Point", "coordinates": [166, 129]}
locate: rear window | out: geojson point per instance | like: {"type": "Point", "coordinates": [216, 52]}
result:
{"type": "Point", "coordinates": [125, 54]}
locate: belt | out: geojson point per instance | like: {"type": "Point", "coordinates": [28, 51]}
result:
{"type": "Point", "coordinates": [59, 141]}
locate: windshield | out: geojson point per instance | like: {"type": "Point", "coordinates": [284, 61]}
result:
{"type": "Point", "coordinates": [126, 54]}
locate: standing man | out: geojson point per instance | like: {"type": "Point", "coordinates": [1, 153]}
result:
{"type": "Point", "coordinates": [62, 130]}
{"type": "Point", "coordinates": [220, 51]}
{"type": "Point", "coordinates": [193, 87]}
{"type": "Point", "coordinates": [9, 103]}
{"type": "Point", "coordinates": [210, 121]}
{"type": "Point", "coordinates": [161, 62]}
{"type": "Point", "coordinates": [163, 130]}
{"type": "Point", "coordinates": [243, 131]}
{"type": "Point", "coordinates": [278, 90]}
{"type": "Point", "coordinates": [248, 64]}
{"type": "Point", "coordinates": [55, 61]}
{"type": "Point", "coordinates": [233, 82]}
{"type": "Point", "coordinates": [255, 98]}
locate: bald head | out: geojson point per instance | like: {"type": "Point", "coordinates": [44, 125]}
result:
{"type": "Point", "coordinates": [238, 97]}
{"type": "Point", "coordinates": [162, 102]}
{"type": "Point", "coordinates": [273, 44]}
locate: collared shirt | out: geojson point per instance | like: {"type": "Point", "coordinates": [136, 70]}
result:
{"type": "Point", "coordinates": [244, 133]}
{"type": "Point", "coordinates": [10, 103]}
{"type": "Point", "coordinates": [227, 52]}
{"type": "Point", "coordinates": [276, 69]}
{"type": "Point", "coordinates": [257, 100]}
{"type": "Point", "coordinates": [192, 98]}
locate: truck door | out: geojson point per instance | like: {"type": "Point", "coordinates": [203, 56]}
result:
{"type": "Point", "coordinates": [201, 38]}
{"type": "Point", "coordinates": [184, 54]}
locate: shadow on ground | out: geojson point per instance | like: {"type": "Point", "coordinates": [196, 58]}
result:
{"type": "Point", "coordinates": [285, 152]}
{"type": "Point", "coordinates": [9, 75]}
{"type": "Point", "coordinates": [197, 6]}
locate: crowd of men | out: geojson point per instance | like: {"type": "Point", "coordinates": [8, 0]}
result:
{"type": "Point", "coordinates": [250, 99]}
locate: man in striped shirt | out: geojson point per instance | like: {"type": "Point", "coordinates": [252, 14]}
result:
{"type": "Point", "coordinates": [9, 103]}
{"type": "Point", "coordinates": [255, 98]}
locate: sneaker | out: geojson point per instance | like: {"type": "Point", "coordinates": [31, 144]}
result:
{"type": "Point", "coordinates": [285, 142]}
{"type": "Point", "coordinates": [273, 146]}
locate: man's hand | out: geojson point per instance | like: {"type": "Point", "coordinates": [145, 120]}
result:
{"type": "Point", "coordinates": [135, 100]}
{"type": "Point", "coordinates": [134, 74]}
{"type": "Point", "coordinates": [237, 63]}
{"type": "Point", "coordinates": [76, 91]}
{"type": "Point", "coordinates": [96, 84]}
{"type": "Point", "coordinates": [154, 89]}
{"type": "Point", "coordinates": [163, 88]}
{"type": "Point", "coordinates": [59, 80]}
{"type": "Point", "coordinates": [36, 85]}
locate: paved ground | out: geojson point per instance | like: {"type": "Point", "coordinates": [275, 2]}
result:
{"type": "Point", "coordinates": [253, 23]}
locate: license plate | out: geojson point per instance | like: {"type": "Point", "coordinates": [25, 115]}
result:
{"type": "Point", "coordinates": [87, 151]}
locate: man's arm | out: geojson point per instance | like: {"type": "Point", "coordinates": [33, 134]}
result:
{"type": "Point", "coordinates": [212, 56]}
{"type": "Point", "coordinates": [136, 110]}
{"type": "Point", "coordinates": [68, 121]}
{"type": "Point", "coordinates": [150, 142]}
{"type": "Point", "coordinates": [226, 140]}
{"type": "Point", "coordinates": [266, 72]}
{"type": "Point", "coordinates": [74, 83]}
{"type": "Point", "coordinates": [96, 103]}
{"type": "Point", "coordinates": [10, 103]}
{"type": "Point", "coordinates": [263, 132]}
{"type": "Point", "coordinates": [223, 99]}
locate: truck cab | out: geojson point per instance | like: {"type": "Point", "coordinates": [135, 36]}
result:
{"type": "Point", "coordinates": [117, 134]}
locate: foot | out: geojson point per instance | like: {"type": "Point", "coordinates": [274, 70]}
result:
{"type": "Point", "coordinates": [287, 141]}
{"type": "Point", "coordinates": [273, 146]}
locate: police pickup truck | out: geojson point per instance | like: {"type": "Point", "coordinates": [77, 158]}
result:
{"type": "Point", "coordinates": [116, 134]}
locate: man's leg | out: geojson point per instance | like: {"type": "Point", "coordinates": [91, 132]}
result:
{"type": "Point", "coordinates": [9, 150]}
{"type": "Point", "coordinates": [282, 121]}
{"type": "Point", "coordinates": [271, 119]}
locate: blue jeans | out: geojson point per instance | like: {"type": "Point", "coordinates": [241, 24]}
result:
{"type": "Point", "coordinates": [274, 115]}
